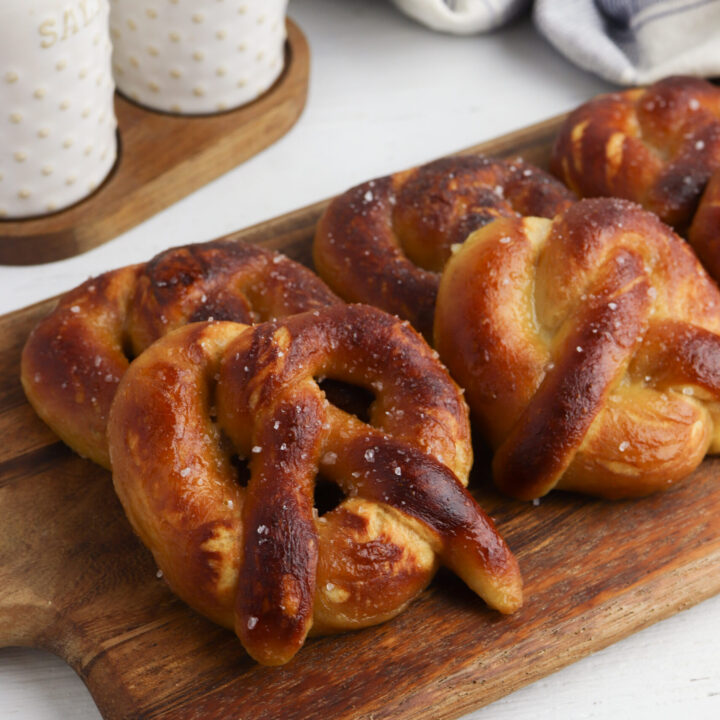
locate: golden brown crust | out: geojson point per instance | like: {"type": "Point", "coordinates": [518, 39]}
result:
{"type": "Point", "coordinates": [704, 233]}
{"type": "Point", "coordinates": [74, 359]}
{"type": "Point", "coordinates": [386, 241]}
{"type": "Point", "coordinates": [658, 146]}
{"type": "Point", "coordinates": [589, 353]}
{"type": "Point", "coordinates": [259, 559]}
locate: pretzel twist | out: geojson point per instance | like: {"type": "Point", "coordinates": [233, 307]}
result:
{"type": "Point", "coordinates": [258, 558]}
{"type": "Point", "coordinates": [704, 233]}
{"type": "Point", "coordinates": [386, 241]}
{"type": "Point", "coordinates": [658, 146]}
{"type": "Point", "coordinates": [74, 359]}
{"type": "Point", "coordinates": [590, 353]}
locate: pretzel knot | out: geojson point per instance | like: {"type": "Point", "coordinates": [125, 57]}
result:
{"type": "Point", "coordinates": [258, 558]}
{"type": "Point", "coordinates": [590, 352]}
{"type": "Point", "coordinates": [658, 146]}
{"type": "Point", "coordinates": [386, 241]}
{"type": "Point", "coordinates": [74, 359]}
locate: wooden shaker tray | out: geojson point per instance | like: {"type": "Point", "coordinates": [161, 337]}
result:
{"type": "Point", "coordinates": [74, 580]}
{"type": "Point", "coordinates": [161, 159]}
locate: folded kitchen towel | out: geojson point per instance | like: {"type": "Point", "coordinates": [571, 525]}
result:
{"type": "Point", "coordinates": [463, 16]}
{"type": "Point", "coordinates": [625, 41]}
{"type": "Point", "coordinates": [633, 42]}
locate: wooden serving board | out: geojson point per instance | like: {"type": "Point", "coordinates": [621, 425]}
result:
{"type": "Point", "coordinates": [74, 580]}
{"type": "Point", "coordinates": [161, 159]}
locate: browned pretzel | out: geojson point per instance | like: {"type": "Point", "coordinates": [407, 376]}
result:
{"type": "Point", "coordinates": [704, 233]}
{"type": "Point", "coordinates": [590, 352]}
{"type": "Point", "coordinates": [258, 558]}
{"type": "Point", "coordinates": [386, 241]}
{"type": "Point", "coordinates": [74, 359]}
{"type": "Point", "coordinates": [658, 146]}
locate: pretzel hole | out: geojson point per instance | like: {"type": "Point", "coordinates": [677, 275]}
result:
{"type": "Point", "coordinates": [352, 399]}
{"type": "Point", "coordinates": [242, 470]}
{"type": "Point", "coordinates": [127, 348]}
{"type": "Point", "coordinates": [328, 495]}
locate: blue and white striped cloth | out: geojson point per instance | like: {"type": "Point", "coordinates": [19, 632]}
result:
{"type": "Point", "coordinates": [629, 42]}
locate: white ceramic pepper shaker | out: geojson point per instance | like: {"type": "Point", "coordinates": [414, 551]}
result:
{"type": "Point", "coordinates": [197, 56]}
{"type": "Point", "coordinates": [57, 120]}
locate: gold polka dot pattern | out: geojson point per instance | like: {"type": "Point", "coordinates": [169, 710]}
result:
{"type": "Point", "coordinates": [189, 58]}
{"type": "Point", "coordinates": [57, 120]}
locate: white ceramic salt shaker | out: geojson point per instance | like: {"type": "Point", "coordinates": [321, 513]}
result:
{"type": "Point", "coordinates": [197, 56]}
{"type": "Point", "coordinates": [57, 121]}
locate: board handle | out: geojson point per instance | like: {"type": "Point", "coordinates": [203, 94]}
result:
{"type": "Point", "coordinates": [63, 564]}
{"type": "Point", "coordinates": [30, 565]}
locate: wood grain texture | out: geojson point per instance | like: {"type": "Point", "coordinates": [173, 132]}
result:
{"type": "Point", "coordinates": [74, 580]}
{"type": "Point", "coordinates": [161, 159]}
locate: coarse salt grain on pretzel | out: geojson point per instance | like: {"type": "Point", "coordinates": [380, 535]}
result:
{"type": "Point", "coordinates": [258, 558]}
{"type": "Point", "coordinates": [386, 241]}
{"type": "Point", "coordinates": [658, 146]}
{"type": "Point", "coordinates": [74, 359]}
{"type": "Point", "coordinates": [589, 348]}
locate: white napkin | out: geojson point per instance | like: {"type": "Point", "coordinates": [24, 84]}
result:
{"type": "Point", "coordinates": [625, 41]}
{"type": "Point", "coordinates": [462, 17]}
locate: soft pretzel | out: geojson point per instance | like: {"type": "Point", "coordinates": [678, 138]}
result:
{"type": "Point", "coordinates": [386, 241]}
{"type": "Point", "coordinates": [74, 359]}
{"type": "Point", "coordinates": [704, 233]}
{"type": "Point", "coordinates": [258, 558]}
{"type": "Point", "coordinates": [590, 350]}
{"type": "Point", "coordinates": [658, 146]}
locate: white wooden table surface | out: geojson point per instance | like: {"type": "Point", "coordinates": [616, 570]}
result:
{"type": "Point", "coordinates": [386, 94]}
